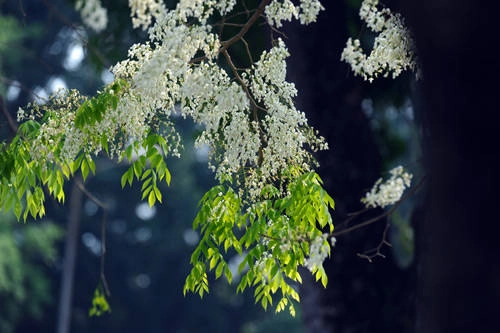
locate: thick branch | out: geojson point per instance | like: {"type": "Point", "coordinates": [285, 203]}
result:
{"type": "Point", "coordinates": [226, 44]}
{"type": "Point", "coordinates": [240, 80]}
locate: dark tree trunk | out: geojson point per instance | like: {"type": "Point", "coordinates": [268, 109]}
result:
{"type": "Point", "coordinates": [361, 297]}
{"type": "Point", "coordinates": [457, 244]}
{"type": "Point", "coordinates": [69, 262]}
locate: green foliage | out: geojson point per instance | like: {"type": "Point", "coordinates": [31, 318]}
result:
{"type": "Point", "coordinates": [273, 236]}
{"type": "Point", "coordinates": [24, 285]}
{"type": "Point", "coordinates": [24, 177]}
{"type": "Point", "coordinates": [10, 32]}
{"type": "Point", "coordinates": [21, 180]}
{"type": "Point", "coordinates": [100, 304]}
{"type": "Point", "coordinates": [148, 166]}
{"type": "Point", "coordinates": [92, 110]}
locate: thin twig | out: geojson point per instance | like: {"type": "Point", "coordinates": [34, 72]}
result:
{"type": "Point", "coordinates": [381, 216]}
{"type": "Point", "coordinates": [104, 208]}
{"type": "Point", "coordinates": [10, 120]}
{"type": "Point", "coordinates": [273, 29]}
{"type": "Point", "coordinates": [103, 252]}
{"type": "Point", "coordinates": [351, 216]}
{"type": "Point", "coordinates": [21, 8]}
{"type": "Point", "coordinates": [228, 24]}
{"type": "Point", "coordinates": [244, 4]}
{"type": "Point", "coordinates": [91, 196]}
{"type": "Point", "coordinates": [22, 87]}
{"type": "Point", "coordinates": [73, 27]}
{"type": "Point", "coordinates": [376, 252]}
{"type": "Point", "coordinates": [248, 50]}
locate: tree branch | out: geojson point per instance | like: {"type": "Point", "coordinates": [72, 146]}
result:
{"type": "Point", "coordinates": [10, 120]}
{"type": "Point", "coordinates": [226, 44]}
{"type": "Point", "coordinates": [381, 216]}
{"type": "Point", "coordinates": [104, 208]}
{"type": "Point", "coordinates": [376, 252]}
{"type": "Point", "coordinates": [70, 24]}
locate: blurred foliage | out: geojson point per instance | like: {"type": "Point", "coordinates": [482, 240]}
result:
{"type": "Point", "coordinates": [26, 254]}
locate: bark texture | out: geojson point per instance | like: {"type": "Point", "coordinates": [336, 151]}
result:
{"type": "Point", "coordinates": [459, 271]}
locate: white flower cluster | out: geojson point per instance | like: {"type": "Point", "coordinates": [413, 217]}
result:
{"type": "Point", "coordinates": [144, 11]}
{"type": "Point", "coordinates": [21, 115]}
{"type": "Point", "coordinates": [393, 50]}
{"type": "Point", "coordinates": [211, 99]}
{"type": "Point", "coordinates": [309, 10]}
{"type": "Point", "coordinates": [203, 9]}
{"type": "Point", "coordinates": [93, 14]}
{"type": "Point", "coordinates": [389, 192]}
{"type": "Point", "coordinates": [163, 77]}
{"type": "Point", "coordinates": [283, 129]}
{"type": "Point", "coordinates": [59, 129]}
{"type": "Point", "coordinates": [318, 251]}
{"type": "Point", "coordinates": [262, 266]}
{"type": "Point", "coordinates": [250, 122]}
{"type": "Point", "coordinates": [284, 10]}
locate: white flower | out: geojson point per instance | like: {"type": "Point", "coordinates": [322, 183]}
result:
{"type": "Point", "coordinates": [143, 12]}
{"type": "Point", "coordinates": [309, 11]}
{"type": "Point", "coordinates": [393, 50]}
{"type": "Point", "coordinates": [278, 11]}
{"type": "Point", "coordinates": [389, 192]}
{"type": "Point", "coordinates": [20, 115]}
{"type": "Point", "coordinates": [318, 251]}
{"type": "Point", "coordinates": [93, 14]}
{"type": "Point", "coordinates": [251, 124]}
{"type": "Point", "coordinates": [284, 10]}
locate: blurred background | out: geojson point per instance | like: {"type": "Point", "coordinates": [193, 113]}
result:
{"type": "Point", "coordinates": [370, 128]}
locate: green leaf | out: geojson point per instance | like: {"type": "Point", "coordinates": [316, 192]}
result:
{"type": "Point", "coordinates": [157, 193]}
{"type": "Point", "coordinates": [219, 269]}
{"type": "Point", "coordinates": [137, 169]}
{"type": "Point", "coordinates": [123, 180]}
{"type": "Point", "coordinates": [147, 191]}
{"type": "Point", "coordinates": [84, 169]}
{"type": "Point", "coordinates": [146, 183]}
{"type": "Point", "coordinates": [100, 304]}
{"type": "Point", "coordinates": [151, 199]}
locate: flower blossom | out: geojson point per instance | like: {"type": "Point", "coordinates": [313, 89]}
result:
{"type": "Point", "coordinates": [393, 50]}
{"type": "Point", "coordinates": [93, 14]}
{"type": "Point", "coordinates": [251, 124]}
{"type": "Point", "coordinates": [318, 251]}
{"type": "Point", "coordinates": [278, 11]}
{"type": "Point", "coordinates": [144, 11]}
{"type": "Point", "coordinates": [389, 192]}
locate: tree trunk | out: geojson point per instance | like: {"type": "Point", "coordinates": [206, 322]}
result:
{"type": "Point", "coordinates": [459, 271]}
{"type": "Point", "coordinates": [70, 253]}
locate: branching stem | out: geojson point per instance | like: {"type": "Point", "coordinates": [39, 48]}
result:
{"type": "Point", "coordinates": [381, 216]}
{"type": "Point", "coordinates": [104, 208]}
